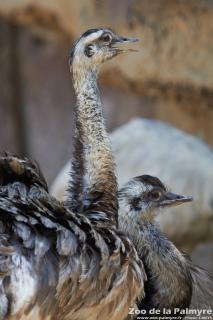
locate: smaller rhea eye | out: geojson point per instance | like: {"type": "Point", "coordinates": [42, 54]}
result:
{"type": "Point", "coordinates": [107, 37]}
{"type": "Point", "coordinates": [89, 50]}
{"type": "Point", "coordinates": [155, 195]}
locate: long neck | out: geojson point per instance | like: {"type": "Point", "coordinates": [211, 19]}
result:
{"type": "Point", "coordinates": [75, 191]}
{"type": "Point", "coordinates": [169, 281]}
{"type": "Point", "coordinates": [151, 244]}
{"type": "Point", "coordinates": [90, 128]}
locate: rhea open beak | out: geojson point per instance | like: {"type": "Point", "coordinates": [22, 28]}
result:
{"type": "Point", "coordinates": [117, 40]}
{"type": "Point", "coordinates": [171, 200]}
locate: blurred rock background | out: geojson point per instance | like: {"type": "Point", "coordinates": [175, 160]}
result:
{"type": "Point", "coordinates": [170, 79]}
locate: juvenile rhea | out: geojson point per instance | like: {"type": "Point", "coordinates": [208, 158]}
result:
{"type": "Point", "coordinates": [173, 280]}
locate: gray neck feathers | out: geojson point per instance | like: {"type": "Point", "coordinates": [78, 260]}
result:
{"type": "Point", "coordinates": [93, 142]}
{"type": "Point", "coordinates": [150, 243]}
{"type": "Point", "coordinates": [165, 265]}
{"type": "Point", "coordinates": [76, 187]}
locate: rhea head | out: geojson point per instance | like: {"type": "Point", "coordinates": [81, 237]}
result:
{"type": "Point", "coordinates": [96, 46]}
{"type": "Point", "coordinates": [142, 197]}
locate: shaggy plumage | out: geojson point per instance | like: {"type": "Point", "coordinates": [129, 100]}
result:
{"type": "Point", "coordinates": [92, 148]}
{"type": "Point", "coordinates": [56, 264]}
{"type": "Point", "coordinates": [173, 280]}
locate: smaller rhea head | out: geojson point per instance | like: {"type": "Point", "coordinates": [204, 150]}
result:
{"type": "Point", "coordinates": [143, 196]}
{"type": "Point", "coordinates": [96, 46]}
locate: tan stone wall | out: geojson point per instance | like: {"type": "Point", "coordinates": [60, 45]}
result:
{"type": "Point", "coordinates": [171, 78]}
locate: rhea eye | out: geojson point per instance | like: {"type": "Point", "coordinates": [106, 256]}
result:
{"type": "Point", "coordinates": [155, 195]}
{"type": "Point", "coordinates": [89, 50]}
{"type": "Point", "coordinates": [106, 37]}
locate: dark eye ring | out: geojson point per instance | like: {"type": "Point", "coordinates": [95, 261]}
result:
{"type": "Point", "coordinates": [155, 195]}
{"type": "Point", "coordinates": [107, 38]}
{"type": "Point", "coordinates": [89, 50]}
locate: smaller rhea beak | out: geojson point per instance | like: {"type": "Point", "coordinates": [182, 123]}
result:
{"type": "Point", "coordinates": [123, 40]}
{"type": "Point", "coordinates": [172, 200]}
